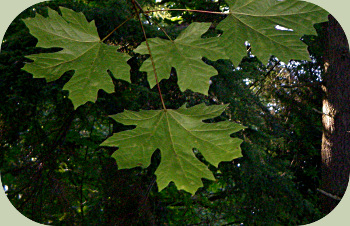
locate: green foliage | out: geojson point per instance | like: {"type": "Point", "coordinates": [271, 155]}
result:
{"type": "Point", "coordinates": [179, 17]}
{"type": "Point", "coordinates": [57, 172]}
{"type": "Point", "coordinates": [185, 55]}
{"type": "Point", "coordinates": [82, 52]}
{"type": "Point", "coordinates": [255, 21]}
{"type": "Point", "coordinates": [176, 133]}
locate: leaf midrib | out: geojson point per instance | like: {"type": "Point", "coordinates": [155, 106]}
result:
{"type": "Point", "coordinates": [257, 31]}
{"type": "Point", "coordinates": [73, 59]}
{"type": "Point", "coordinates": [64, 37]}
{"type": "Point", "coordinates": [190, 132]}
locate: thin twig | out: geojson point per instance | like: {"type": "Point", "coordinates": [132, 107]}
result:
{"type": "Point", "coordinates": [148, 191]}
{"type": "Point", "coordinates": [319, 112]}
{"type": "Point", "coordinates": [149, 51]}
{"type": "Point", "coordinates": [271, 69]}
{"type": "Point", "coordinates": [117, 28]}
{"type": "Point", "coordinates": [311, 84]}
{"type": "Point", "coordinates": [149, 18]}
{"type": "Point", "coordinates": [328, 194]}
{"type": "Point", "coordinates": [187, 10]}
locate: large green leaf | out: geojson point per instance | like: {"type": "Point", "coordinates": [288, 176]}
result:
{"type": "Point", "coordinates": [185, 55]}
{"type": "Point", "coordinates": [176, 133]}
{"type": "Point", "coordinates": [255, 21]}
{"type": "Point", "coordinates": [82, 52]}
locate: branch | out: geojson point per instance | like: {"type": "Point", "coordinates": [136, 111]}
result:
{"type": "Point", "coordinates": [320, 112]}
{"type": "Point", "coordinates": [136, 5]}
{"type": "Point", "coordinates": [117, 28]}
{"type": "Point", "coordinates": [187, 10]}
{"type": "Point", "coordinates": [328, 194]}
{"type": "Point", "coordinates": [149, 18]}
{"type": "Point", "coordinates": [311, 84]}
{"type": "Point", "coordinates": [63, 130]}
{"type": "Point", "coordinates": [271, 69]}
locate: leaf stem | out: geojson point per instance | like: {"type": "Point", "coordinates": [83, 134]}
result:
{"type": "Point", "coordinates": [149, 51]}
{"type": "Point", "coordinates": [117, 28]}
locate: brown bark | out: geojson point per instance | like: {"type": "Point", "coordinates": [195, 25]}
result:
{"type": "Point", "coordinates": [335, 151]}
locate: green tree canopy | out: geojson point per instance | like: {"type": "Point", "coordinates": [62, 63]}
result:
{"type": "Point", "coordinates": [56, 170]}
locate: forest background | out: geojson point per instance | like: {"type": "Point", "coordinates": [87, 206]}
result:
{"type": "Point", "coordinates": [285, 140]}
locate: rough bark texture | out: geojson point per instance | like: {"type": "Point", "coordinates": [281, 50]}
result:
{"type": "Point", "coordinates": [335, 151]}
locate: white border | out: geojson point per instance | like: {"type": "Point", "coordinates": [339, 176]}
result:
{"type": "Point", "coordinates": [9, 9]}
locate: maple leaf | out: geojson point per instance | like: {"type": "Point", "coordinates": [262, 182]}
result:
{"type": "Point", "coordinates": [184, 54]}
{"type": "Point", "coordinates": [82, 51]}
{"type": "Point", "coordinates": [272, 27]}
{"type": "Point", "coordinates": [176, 133]}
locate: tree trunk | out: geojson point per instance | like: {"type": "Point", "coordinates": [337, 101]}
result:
{"type": "Point", "coordinates": [335, 151]}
